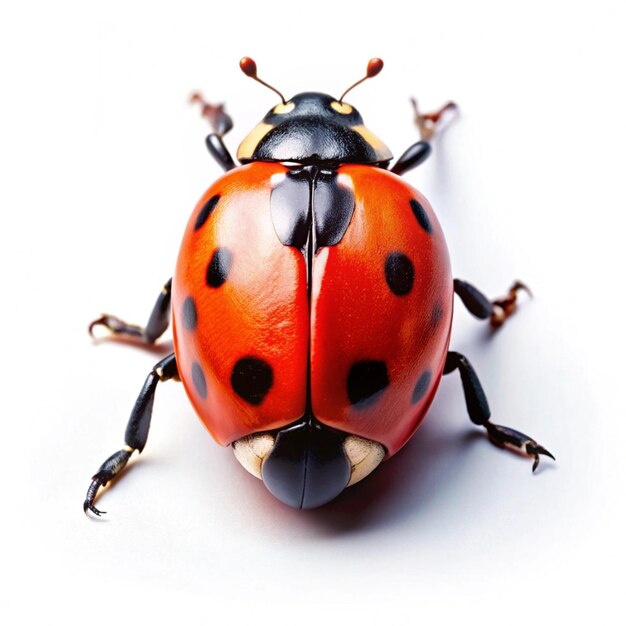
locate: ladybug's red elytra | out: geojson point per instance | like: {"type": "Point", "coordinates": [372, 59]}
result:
{"type": "Point", "coordinates": [311, 303]}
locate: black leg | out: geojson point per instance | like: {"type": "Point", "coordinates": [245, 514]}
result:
{"type": "Point", "coordinates": [156, 326]}
{"type": "Point", "coordinates": [221, 123]}
{"type": "Point", "coordinates": [479, 412]}
{"type": "Point", "coordinates": [136, 431]}
{"type": "Point", "coordinates": [218, 150]}
{"type": "Point", "coordinates": [412, 157]}
{"type": "Point", "coordinates": [427, 124]}
{"type": "Point", "coordinates": [477, 303]}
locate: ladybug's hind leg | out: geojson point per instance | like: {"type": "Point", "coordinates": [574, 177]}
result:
{"type": "Point", "coordinates": [427, 124]}
{"type": "Point", "coordinates": [479, 412]}
{"type": "Point", "coordinates": [496, 311]}
{"type": "Point", "coordinates": [156, 326]}
{"type": "Point", "coordinates": [136, 431]}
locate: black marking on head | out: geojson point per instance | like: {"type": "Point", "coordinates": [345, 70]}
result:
{"type": "Point", "coordinates": [289, 207]}
{"type": "Point", "coordinates": [421, 386]}
{"type": "Point", "coordinates": [190, 314]}
{"type": "Point", "coordinates": [421, 216]}
{"type": "Point", "coordinates": [312, 105]}
{"type": "Point", "coordinates": [310, 140]}
{"type": "Point", "coordinates": [314, 128]}
{"type": "Point", "coordinates": [436, 315]}
{"type": "Point", "coordinates": [251, 379]}
{"type": "Point", "coordinates": [366, 381]}
{"type": "Point", "coordinates": [219, 267]}
{"type": "Point", "coordinates": [199, 381]}
{"type": "Point", "coordinates": [399, 273]}
{"type": "Point", "coordinates": [206, 211]}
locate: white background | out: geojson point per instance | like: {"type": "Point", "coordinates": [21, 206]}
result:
{"type": "Point", "coordinates": [102, 162]}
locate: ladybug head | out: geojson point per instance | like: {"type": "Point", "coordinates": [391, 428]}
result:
{"type": "Point", "coordinates": [313, 127]}
{"type": "Point", "coordinates": [308, 464]}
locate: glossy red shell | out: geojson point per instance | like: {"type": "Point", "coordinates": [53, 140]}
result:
{"type": "Point", "coordinates": [262, 310]}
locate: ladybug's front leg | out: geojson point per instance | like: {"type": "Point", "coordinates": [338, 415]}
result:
{"type": "Point", "coordinates": [477, 303]}
{"type": "Point", "coordinates": [221, 123]}
{"type": "Point", "coordinates": [136, 431]}
{"type": "Point", "coordinates": [156, 326]}
{"type": "Point", "coordinates": [479, 412]}
{"type": "Point", "coordinates": [427, 124]}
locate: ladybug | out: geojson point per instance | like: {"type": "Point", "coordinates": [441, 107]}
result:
{"type": "Point", "coordinates": [311, 303]}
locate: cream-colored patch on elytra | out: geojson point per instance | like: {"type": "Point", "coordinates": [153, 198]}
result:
{"type": "Point", "coordinates": [252, 450]}
{"type": "Point", "coordinates": [247, 146]}
{"type": "Point", "coordinates": [364, 455]}
{"type": "Point", "coordinates": [281, 108]}
{"type": "Point", "coordinates": [341, 107]}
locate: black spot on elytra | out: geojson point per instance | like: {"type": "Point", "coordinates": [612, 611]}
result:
{"type": "Point", "coordinates": [421, 386]}
{"type": "Point", "coordinates": [366, 380]}
{"type": "Point", "coordinates": [219, 267]}
{"type": "Point", "coordinates": [421, 216]}
{"type": "Point", "coordinates": [251, 379]}
{"type": "Point", "coordinates": [399, 273]}
{"type": "Point", "coordinates": [190, 314]}
{"type": "Point", "coordinates": [206, 211]}
{"type": "Point", "coordinates": [436, 315]}
{"type": "Point", "coordinates": [199, 381]}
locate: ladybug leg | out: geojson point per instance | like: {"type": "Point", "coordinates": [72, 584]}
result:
{"type": "Point", "coordinates": [479, 412]}
{"type": "Point", "coordinates": [427, 124]}
{"type": "Point", "coordinates": [497, 311]}
{"type": "Point", "coordinates": [221, 123]}
{"type": "Point", "coordinates": [412, 157]}
{"type": "Point", "coordinates": [218, 150]}
{"type": "Point", "coordinates": [156, 326]}
{"type": "Point", "coordinates": [136, 431]}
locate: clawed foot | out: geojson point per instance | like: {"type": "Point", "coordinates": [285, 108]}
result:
{"type": "Point", "coordinates": [428, 123]}
{"type": "Point", "coordinates": [108, 470]}
{"type": "Point", "coordinates": [505, 437]}
{"type": "Point", "coordinates": [504, 307]}
{"type": "Point", "coordinates": [116, 326]}
{"type": "Point", "coordinates": [91, 495]}
{"type": "Point", "coordinates": [215, 114]}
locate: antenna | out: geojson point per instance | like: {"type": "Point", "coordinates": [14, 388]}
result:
{"type": "Point", "coordinates": [248, 67]}
{"type": "Point", "coordinates": [373, 69]}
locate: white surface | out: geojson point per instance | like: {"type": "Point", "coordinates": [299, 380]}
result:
{"type": "Point", "coordinates": [102, 162]}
